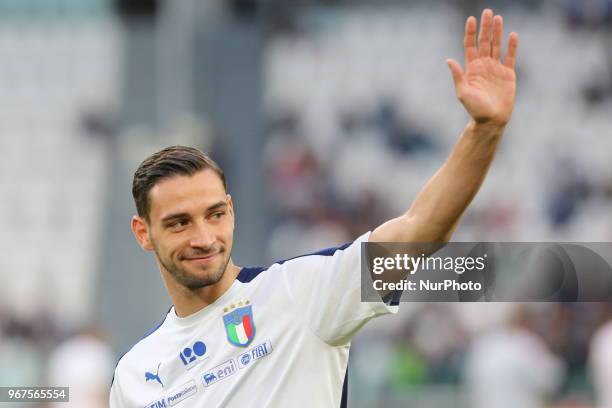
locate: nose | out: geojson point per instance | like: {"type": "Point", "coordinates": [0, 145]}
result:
{"type": "Point", "coordinates": [203, 236]}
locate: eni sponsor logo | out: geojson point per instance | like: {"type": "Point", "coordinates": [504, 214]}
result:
{"type": "Point", "coordinates": [218, 373]}
{"type": "Point", "coordinates": [187, 390]}
{"type": "Point", "coordinates": [255, 353]}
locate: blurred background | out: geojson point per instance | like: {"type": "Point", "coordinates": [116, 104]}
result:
{"type": "Point", "coordinates": [328, 117]}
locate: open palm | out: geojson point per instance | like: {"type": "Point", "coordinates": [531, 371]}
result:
{"type": "Point", "coordinates": [487, 86]}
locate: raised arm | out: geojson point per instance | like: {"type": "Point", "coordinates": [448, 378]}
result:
{"type": "Point", "coordinates": [487, 89]}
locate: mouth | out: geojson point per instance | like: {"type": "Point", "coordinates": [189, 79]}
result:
{"type": "Point", "coordinates": [201, 260]}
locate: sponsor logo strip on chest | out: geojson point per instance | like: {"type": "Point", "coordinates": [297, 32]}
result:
{"type": "Point", "coordinates": [230, 367]}
{"type": "Point", "coordinates": [187, 390]}
{"type": "Point", "coordinates": [250, 356]}
{"type": "Point", "coordinates": [219, 372]}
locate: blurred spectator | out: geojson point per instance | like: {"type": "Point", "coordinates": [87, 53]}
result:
{"type": "Point", "coordinates": [600, 362]}
{"type": "Point", "coordinates": [438, 336]}
{"type": "Point", "coordinates": [85, 363]}
{"type": "Point", "coordinates": [295, 175]}
{"type": "Point", "coordinates": [401, 137]}
{"type": "Point", "coordinates": [569, 189]}
{"type": "Point", "coordinates": [407, 368]}
{"type": "Point", "coordinates": [21, 359]}
{"type": "Point", "coordinates": [511, 367]}
{"type": "Point", "coordinates": [588, 13]}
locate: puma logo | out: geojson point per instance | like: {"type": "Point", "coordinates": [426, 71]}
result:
{"type": "Point", "coordinates": [154, 377]}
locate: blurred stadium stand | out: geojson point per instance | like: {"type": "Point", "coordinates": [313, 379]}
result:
{"type": "Point", "coordinates": [328, 116]}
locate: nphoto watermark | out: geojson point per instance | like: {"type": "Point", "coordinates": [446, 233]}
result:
{"type": "Point", "coordinates": [487, 272]}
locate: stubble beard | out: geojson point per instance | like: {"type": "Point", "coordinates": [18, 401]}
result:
{"type": "Point", "coordinates": [184, 278]}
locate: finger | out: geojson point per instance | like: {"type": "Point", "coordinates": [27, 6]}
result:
{"type": "Point", "coordinates": [498, 31]}
{"type": "Point", "coordinates": [510, 60]}
{"type": "Point", "coordinates": [469, 42]}
{"type": "Point", "coordinates": [456, 71]}
{"type": "Point", "coordinates": [484, 37]}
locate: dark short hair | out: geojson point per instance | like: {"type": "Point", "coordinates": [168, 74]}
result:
{"type": "Point", "coordinates": [164, 164]}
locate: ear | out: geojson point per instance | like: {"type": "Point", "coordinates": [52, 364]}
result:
{"type": "Point", "coordinates": [140, 229]}
{"type": "Point", "coordinates": [230, 203]}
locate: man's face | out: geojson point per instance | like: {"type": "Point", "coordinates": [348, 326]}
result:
{"type": "Point", "coordinates": [190, 228]}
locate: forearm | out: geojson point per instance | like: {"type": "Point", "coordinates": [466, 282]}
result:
{"type": "Point", "coordinates": [439, 206]}
{"type": "Point", "coordinates": [487, 90]}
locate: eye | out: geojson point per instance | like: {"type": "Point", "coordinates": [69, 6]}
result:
{"type": "Point", "coordinates": [217, 215]}
{"type": "Point", "coordinates": [177, 224]}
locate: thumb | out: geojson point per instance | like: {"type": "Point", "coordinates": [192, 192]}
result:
{"type": "Point", "coordinates": [456, 71]}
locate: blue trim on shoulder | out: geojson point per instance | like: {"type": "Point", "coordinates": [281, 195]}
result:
{"type": "Point", "coordinates": [150, 332]}
{"type": "Point", "coordinates": [393, 298]}
{"type": "Point", "coordinates": [247, 274]}
{"type": "Point", "coordinates": [344, 399]}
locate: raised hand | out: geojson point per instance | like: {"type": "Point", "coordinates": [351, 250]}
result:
{"type": "Point", "coordinates": [487, 86]}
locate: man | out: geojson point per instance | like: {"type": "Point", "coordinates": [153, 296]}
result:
{"type": "Point", "coordinates": [280, 336]}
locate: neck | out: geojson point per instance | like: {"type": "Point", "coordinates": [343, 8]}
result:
{"type": "Point", "coordinates": [187, 301]}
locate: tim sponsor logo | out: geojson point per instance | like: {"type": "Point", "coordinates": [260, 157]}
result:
{"type": "Point", "coordinates": [187, 390]}
{"type": "Point", "coordinates": [255, 353]}
{"type": "Point", "coordinates": [157, 404]}
{"type": "Point", "coordinates": [219, 372]}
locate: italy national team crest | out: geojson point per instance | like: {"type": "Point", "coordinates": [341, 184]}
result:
{"type": "Point", "coordinates": [239, 325]}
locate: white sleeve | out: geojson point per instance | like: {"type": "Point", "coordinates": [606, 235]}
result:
{"type": "Point", "coordinates": [115, 399]}
{"type": "Point", "coordinates": [326, 289]}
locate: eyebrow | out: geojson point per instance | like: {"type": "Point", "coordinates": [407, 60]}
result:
{"type": "Point", "coordinates": [216, 206]}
